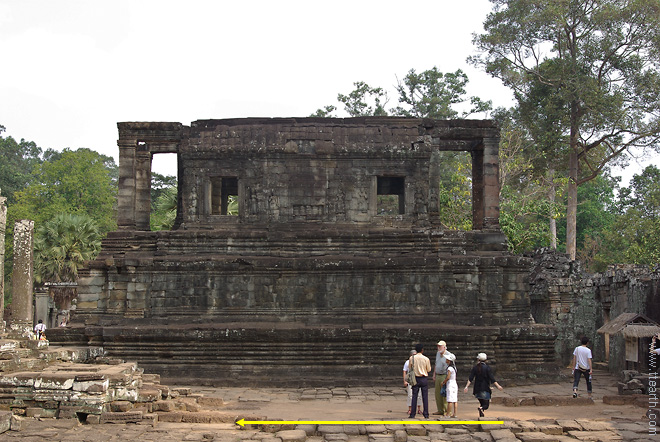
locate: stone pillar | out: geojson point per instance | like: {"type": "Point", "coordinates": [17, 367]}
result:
{"type": "Point", "coordinates": [126, 185]}
{"type": "Point", "coordinates": [477, 189]}
{"type": "Point", "coordinates": [21, 306]}
{"type": "Point", "coordinates": [142, 189]}
{"type": "Point", "coordinates": [491, 173]}
{"type": "Point", "coordinates": [3, 225]}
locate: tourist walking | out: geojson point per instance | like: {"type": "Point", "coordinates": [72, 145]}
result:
{"type": "Point", "coordinates": [482, 375]}
{"type": "Point", "coordinates": [451, 386]}
{"type": "Point", "coordinates": [581, 365]}
{"type": "Point", "coordinates": [40, 329]}
{"type": "Point", "coordinates": [409, 387]}
{"type": "Point", "coordinates": [439, 376]}
{"type": "Point", "coordinates": [420, 365]}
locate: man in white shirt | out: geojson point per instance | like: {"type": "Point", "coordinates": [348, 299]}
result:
{"type": "Point", "coordinates": [582, 358]}
{"type": "Point", "coordinates": [40, 328]}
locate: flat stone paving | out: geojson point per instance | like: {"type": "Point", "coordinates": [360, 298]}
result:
{"type": "Point", "coordinates": [596, 422]}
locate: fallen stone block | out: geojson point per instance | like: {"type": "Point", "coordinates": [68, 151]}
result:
{"type": "Point", "coordinates": [5, 421]}
{"type": "Point", "coordinates": [309, 429]}
{"type": "Point", "coordinates": [502, 434]}
{"type": "Point", "coordinates": [174, 417]}
{"type": "Point", "coordinates": [54, 381]}
{"type": "Point", "coordinates": [88, 377]}
{"type": "Point", "coordinates": [292, 435]}
{"type": "Point", "coordinates": [120, 406]}
{"type": "Point", "coordinates": [125, 394]}
{"type": "Point", "coordinates": [149, 419]}
{"type": "Point", "coordinates": [590, 425]}
{"type": "Point", "coordinates": [552, 429]}
{"type": "Point", "coordinates": [595, 436]}
{"type": "Point", "coordinates": [400, 436]}
{"type": "Point", "coordinates": [569, 425]}
{"type": "Point", "coordinates": [416, 430]}
{"type": "Point", "coordinates": [183, 391]}
{"type": "Point", "coordinates": [16, 423]}
{"type": "Point", "coordinates": [21, 379]}
{"type": "Point", "coordinates": [527, 427]}
{"type": "Point", "coordinates": [93, 386]}
{"type": "Point", "coordinates": [482, 436]}
{"type": "Point", "coordinates": [537, 436]}
{"type": "Point", "coordinates": [377, 437]}
{"type": "Point", "coordinates": [121, 418]}
{"type": "Point", "coordinates": [93, 419]}
{"type": "Point", "coordinates": [33, 412]}
{"type": "Point", "coordinates": [166, 406]}
{"type": "Point", "coordinates": [377, 429]}
{"type": "Point", "coordinates": [211, 417]}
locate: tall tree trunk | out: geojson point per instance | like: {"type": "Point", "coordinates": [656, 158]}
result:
{"type": "Point", "coordinates": [552, 196]}
{"type": "Point", "coordinates": [571, 209]}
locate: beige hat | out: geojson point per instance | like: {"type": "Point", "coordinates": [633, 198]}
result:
{"type": "Point", "coordinates": [481, 357]}
{"type": "Point", "coordinates": [442, 343]}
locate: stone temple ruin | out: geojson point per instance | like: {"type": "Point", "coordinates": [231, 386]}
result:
{"type": "Point", "coordinates": [312, 274]}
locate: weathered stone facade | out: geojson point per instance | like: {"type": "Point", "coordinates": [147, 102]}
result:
{"type": "Point", "coordinates": [315, 267]}
{"type": "Point", "coordinates": [578, 303]}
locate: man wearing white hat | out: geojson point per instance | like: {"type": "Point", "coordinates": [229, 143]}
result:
{"type": "Point", "coordinates": [439, 375]}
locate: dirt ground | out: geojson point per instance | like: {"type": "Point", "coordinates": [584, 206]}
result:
{"type": "Point", "coordinates": [374, 403]}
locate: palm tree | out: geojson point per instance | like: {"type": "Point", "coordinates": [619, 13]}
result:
{"type": "Point", "coordinates": [163, 211]}
{"type": "Point", "coordinates": [61, 247]}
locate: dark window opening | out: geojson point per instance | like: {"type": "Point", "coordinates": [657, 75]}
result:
{"type": "Point", "coordinates": [224, 196]}
{"type": "Point", "coordinates": [390, 192]}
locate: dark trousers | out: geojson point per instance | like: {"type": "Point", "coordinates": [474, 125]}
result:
{"type": "Point", "coordinates": [576, 379]}
{"type": "Point", "coordinates": [423, 384]}
{"type": "Point", "coordinates": [485, 403]}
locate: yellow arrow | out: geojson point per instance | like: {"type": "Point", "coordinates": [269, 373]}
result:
{"type": "Point", "coordinates": [243, 422]}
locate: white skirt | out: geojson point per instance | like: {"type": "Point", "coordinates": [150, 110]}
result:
{"type": "Point", "coordinates": [452, 391]}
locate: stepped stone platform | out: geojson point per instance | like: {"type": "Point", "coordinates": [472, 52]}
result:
{"type": "Point", "coordinates": [334, 259]}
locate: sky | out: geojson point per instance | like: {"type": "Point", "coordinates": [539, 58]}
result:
{"type": "Point", "coordinates": [72, 69]}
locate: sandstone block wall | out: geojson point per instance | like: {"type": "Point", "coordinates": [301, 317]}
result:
{"type": "Point", "coordinates": [578, 303]}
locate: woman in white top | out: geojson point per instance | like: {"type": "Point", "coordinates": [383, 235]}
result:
{"type": "Point", "coordinates": [409, 387]}
{"type": "Point", "coordinates": [452, 386]}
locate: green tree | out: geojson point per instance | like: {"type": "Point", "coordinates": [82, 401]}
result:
{"type": "Point", "coordinates": [528, 207]}
{"type": "Point", "coordinates": [597, 60]}
{"type": "Point", "coordinates": [595, 217]}
{"type": "Point", "coordinates": [364, 100]}
{"type": "Point", "coordinates": [62, 245]}
{"type": "Point", "coordinates": [17, 162]}
{"type": "Point", "coordinates": [75, 182]}
{"type": "Point", "coordinates": [635, 233]}
{"type": "Point", "coordinates": [163, 209]}
{"type": "Point", "coordinates": [433, 94]}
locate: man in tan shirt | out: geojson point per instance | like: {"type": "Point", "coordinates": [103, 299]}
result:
{"type": "Point", "coordinates": [420, 365]}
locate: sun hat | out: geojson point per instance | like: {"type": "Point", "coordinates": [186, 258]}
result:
{"type": "Point", "coordinates": [442, 343]}
{"type": "Point", "coordinates": [450, 357]}
{"type": "Point", "coordinates": [481, 357]}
